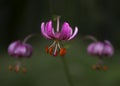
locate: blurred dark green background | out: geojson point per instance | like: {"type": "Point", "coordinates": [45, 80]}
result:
{"type": "Point", "coordinates": [100, 18]}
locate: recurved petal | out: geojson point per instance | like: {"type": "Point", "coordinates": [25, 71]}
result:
{"type": "Point", "coordinates": [74, 34]}
{"type": "Point", "coordinates": [90, 48]}
{"type": "Point", "coordinates": [108, 49]}
{"type": "Point", "coordinates": [49, 29]}
{"type": "Point", "coordinates": [29, 50]}
{"type": "Point", "coordinates": [66, 31]}
{"type": "Point", "coordinates": [43, 31]}
{"type": "Point", "coordinates": [98, 49]}
{"type": "Point", "coordinates": [20, 50]}
{"type": "Point", "coordinates": [12, 47]}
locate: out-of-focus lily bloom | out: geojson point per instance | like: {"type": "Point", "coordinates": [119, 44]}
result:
{"type": "Point", "coordinates": [101, 50]}
{"type": "Point", "coordinates": [66, 33]}
{"type": "Point", "coordinates": [20, 50]}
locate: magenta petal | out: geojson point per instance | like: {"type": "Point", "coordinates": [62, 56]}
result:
{"type": "Point", "coordinates": [90, 48]}
{"type": "Point", "coordinates": [98, 49]}
{"type": "Point", "coordinates": [29, 50]}
{"type": "Point", "coordinates": [49, 29]}
{"type": "Point", "coordinates": [43, 31]}
{"type": "Point", "coordinates": [20, 51]}
{"type": "Point", "coordinates": [108, 49]}
{"type": "Point", "coordinates": [12, 47]}
{"type": "Point", "coordinates": [66, 32]}
{"type": "Point", "coordinates": [74, 34]}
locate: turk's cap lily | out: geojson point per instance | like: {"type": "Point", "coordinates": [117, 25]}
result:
{"type": "Point", "coordinates": [18, 49]}
{"type": "Point", "coordinates": [66, 32]}
{"type": "Point", "coordinates": [101, 49]}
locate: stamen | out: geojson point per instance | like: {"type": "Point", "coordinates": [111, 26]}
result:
{"type": "Point", "coordinates": [105, 68]}
{"type": "Point", "coordinates": [52, 44]}
{"type": "Point", "coordinates": [62, 51]}
{"type": "Point", "coordinates": [24, 70]}
{"type": "Point", "coordinates": [59, 45]}
{"type": "Point", "coordinates": [50, 50]}
{"type": "Point", "coordinates": [47, 50]}
{"type": "Point", "coordinates": [55, 51]}
{"type": "Point", "coordinates": [100, 61]}
{"type": "Point", "coordinates": [10, 67]}
{"type": "Point", "coordinates": [17, 68]}
{"type": "Point", "coordinates": [98, 67]}
{"type": "Point", "coordinates": [94, 67]}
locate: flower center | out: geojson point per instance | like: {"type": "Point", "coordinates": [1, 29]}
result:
{"type": "Point", "coordinates": [56, 48]}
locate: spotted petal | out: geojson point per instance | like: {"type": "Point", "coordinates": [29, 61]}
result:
{"type": "Point", "coordinates": [66, 32]}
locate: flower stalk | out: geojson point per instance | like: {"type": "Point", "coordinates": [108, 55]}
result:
{"type": "Point", "coordinates": [28, 37]}
{"type": "Point", "coordinates": [67, 72]}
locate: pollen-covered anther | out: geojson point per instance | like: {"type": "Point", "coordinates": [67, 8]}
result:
{"type": "Point", "coordinates": [17, 68]}
{"type": "Point", "coordinates": [47, 50]}
{"type": "Point", "coordinates": [62, 51]}
{"type": "Point", "coordinates": [105, 68]}
{"type": "Point", "coordinates": [56, 53]}
{"type": "Point", "coordinates": [51, 50]}
{"type": "Point", "coordinates": [96, 67]}
{"type": "Point", "coordinates": [10, 67]}
{"type": "Point", "coordinates": [24, 70]}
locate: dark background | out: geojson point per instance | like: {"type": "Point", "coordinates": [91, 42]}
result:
{"type": "Point", "coordinates": [100, 18]}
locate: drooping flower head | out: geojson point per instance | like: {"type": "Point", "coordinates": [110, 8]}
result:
{"type": "Point", "coordinates": [100, 49]}
{"type": "Point", "coordinates": [64, 34]}
{"type": "Point", "coordinates": [20, 50]}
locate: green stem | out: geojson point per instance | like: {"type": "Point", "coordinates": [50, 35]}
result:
{"type": "Point", "coordinates": [51, 6]}
{"type": "Point", "coordinates": [66, 69]}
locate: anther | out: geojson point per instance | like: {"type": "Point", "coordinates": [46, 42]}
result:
{"type": "Point", "coordinates": [105, 68]}
{"type": "Point", "coordinates": [62, 51]}
{"type": "Point", "coordinates": [50, 50]}
{"type": "Point", "coordinates": [56, 53]}
{"type": "Point", "coordinates": [17, 69]}
{"type": "Point", "coordinates": [24, 70]}
{"type": "Point", "coordinates": [98, 67]}
{"type": "Point", "coordinates": [47, 50]}
{"type": "Point", "coordinates": [10, 67]}
{"type": "Point", "coordinates": [94, 67]}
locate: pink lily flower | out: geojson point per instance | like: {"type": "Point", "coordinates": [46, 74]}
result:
{"type": "Point", "coordinates": [65, 34]}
